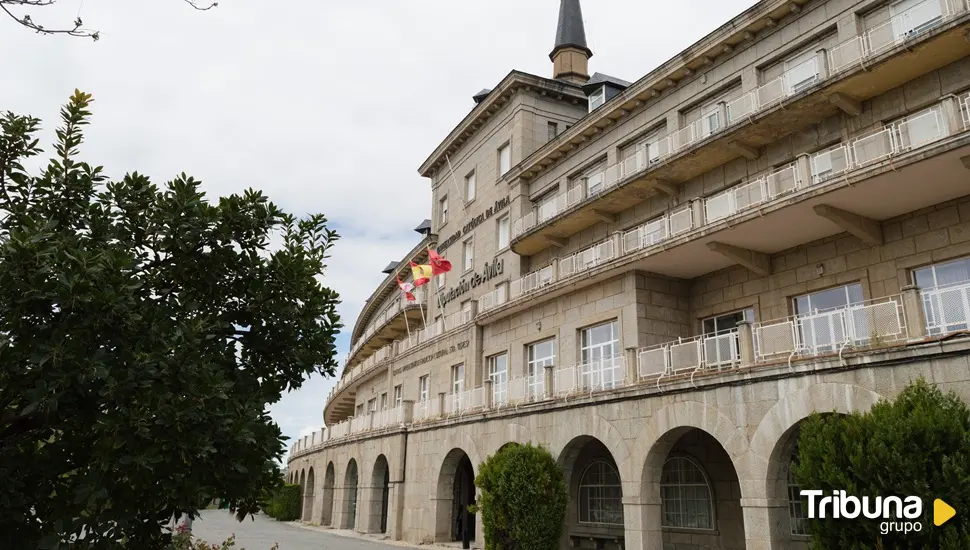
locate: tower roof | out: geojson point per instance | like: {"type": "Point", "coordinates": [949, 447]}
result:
{"type": "Point", "coordinates": [570, 32]}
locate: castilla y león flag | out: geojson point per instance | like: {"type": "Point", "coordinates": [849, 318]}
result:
{"type": "Point", "coordinates": [439, 265]}
{"type": "Point", "coordinates": [422, 273]}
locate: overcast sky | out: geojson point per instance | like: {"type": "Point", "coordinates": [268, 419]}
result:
{"type": "Point", "coordinates": [327, 105]}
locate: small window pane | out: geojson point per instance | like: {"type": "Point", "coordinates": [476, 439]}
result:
{"type": "Point", "coordinates": [685, 495]}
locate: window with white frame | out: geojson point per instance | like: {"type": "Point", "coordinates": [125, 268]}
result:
{"type": "Point", "coordinates": [801, 71]}
{"type": "Point", "coordinates": [466, 309]}
{"type": "Point", "coordinates": [457, 379]}
{"type": "Point", "coordinates": [384, 401]}
{"type": "Point", "coordinates": [599, 356]}
{"type": "Point", "coordinates": [601, 495]}
{"type": "Point", "coordinates": [553, 130]}
{"type": "Point", "coordinates": [439, 282]}
{"type": "Point", "coordinates": [796, 506]}
{"type": "Point", "coordinates": [945, 287]}
{"type": "Point", "coordinates": [501, 292]}
{"type": "Point", "coordinates": [504, 232]}
{"type": "Point", "coordinates": [726, 322]}
{"type": "Point", "coordinates": [470, 187]}
{"type": "Point", "coordinates": [360, 410]}
{"type": "Point", "coordinates": [504, 159]}
{"type": "Point", "coordinates": [468, 254]}
{"type": "Point", "coordinates": [597, 98]}
{"type": "Point", "coordinates": [498, 373]}
{"type": "Point", "coordinates": [651, 147]}
{"type": "Point", "coordinates": [398, 395]}
{"type": "Point", "coordinates": [710, 119]}
{"type": "Point", "coordinates": [595, 179]}
{"type": "Point", "coordinates": [911, 17]}
{"type": "Point", "coordinates": [686, 500]}
{"type": "Point", "coordinates": [443, 210]}
{"type": "Point", "coordinates": [822, 327]}
{"type": "Point", "coordinates": [372, 405]}
{"type": "Point", "coordinates": [538, 356]}
{"type": "Point", "coordinates": [424, 387]}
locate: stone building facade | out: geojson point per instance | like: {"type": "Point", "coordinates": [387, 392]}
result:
{"type": "Point", "coordinates": [659, 280]}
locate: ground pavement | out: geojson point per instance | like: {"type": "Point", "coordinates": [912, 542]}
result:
{"type": "Point", "coordinates": [260, 532]}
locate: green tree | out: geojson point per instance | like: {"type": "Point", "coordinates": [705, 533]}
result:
{"type": "Point", "coordinates": [143, 332]}
{"type": "Point", "coordinates": [20, 11]}
{"type": "Point", "coordinates": [916, 445]}
{"type": "Point", "coordinates": [523, 499]}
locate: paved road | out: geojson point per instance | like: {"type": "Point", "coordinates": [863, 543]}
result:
{"type": "Point", "coordinates": [215, 526]}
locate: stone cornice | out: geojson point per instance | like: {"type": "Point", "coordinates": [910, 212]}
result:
{"type": "Point", "coordinates": [515, 82]}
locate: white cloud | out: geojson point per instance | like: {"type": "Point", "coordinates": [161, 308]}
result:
{"type": "Point", "coordinates": [326, 106]}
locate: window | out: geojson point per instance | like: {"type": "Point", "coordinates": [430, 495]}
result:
{"type": "Point", "coordinates": [384, 401]}
{"type": "Point", "coordinates": [468, 254]}
{"type": "Point", "coordinates": [597, 98]}
{"type": "Point", "coordinates": [594, 181]}
{"type": "Point", "coordinates": [498, 372]}
{"type": "Point", "coordinates": [600, 495]}
{"type": "Point", "coordinates": [919, 16]}
{"type": "Point", "coordinates": [501, 292]}
{"type": "Point", "coordinates": [652, 147]}
{"type": "Point", "coordinates": [801, 71]}
{"type": "Point", "coordinates": [538, 356]}
{"type": "Point", "coordinates": [727, 322]}
{"type": "Point", "coordinates": [827, 300]}
{"type": "Point", "coordinates": [553, 128]}
{"type": "Point", "coordinates": [439, 281]}
{"type": "Point", "coordinates": [457, 379]}
{"type": "Point", "coordinates": [470, 187]}
{"type": "Point", "coordinates": [685, 495]}
{"type": "Point", "coordinates": [466, 311]}
{"type": "Point", "coordinates": [796, 506]}
{"type": "Point", "coordinates": [360, 410]}
{"type": "Point", "coordinates": [503, 232]}
{"type": "Point", "coordinates": [944, 290]}
{"type": "Point", "coordinates": [504, 159]}
{"type": "Point", "coordinates": [710, 119]}
{"type": "Point", "coordinates": [822, 324]}
{"type": "Point", "coordinates": [599, 354]}
{"type": "Point", "coordinates": [423, 388]}
{"type": "Point", "coordinates": [443, 210]}
{"type": "Point", "coordinates": [372, 405]}
{"type": "Point", "coordinates": [398, 395]}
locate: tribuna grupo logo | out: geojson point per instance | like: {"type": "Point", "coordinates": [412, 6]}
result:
{"type": "Point", "coordinates": [897, 513]}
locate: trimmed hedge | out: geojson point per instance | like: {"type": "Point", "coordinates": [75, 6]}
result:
{"type": "Point", "coordinates": [285, 504]}
{"type": "Point", "coordinates": [523, 499]}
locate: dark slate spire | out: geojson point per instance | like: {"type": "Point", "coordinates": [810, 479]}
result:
{"type": "Point", "coordinates": [570, 31]}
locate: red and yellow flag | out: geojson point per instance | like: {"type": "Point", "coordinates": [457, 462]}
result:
{"type": "Point", "coordinates": [422, 274]}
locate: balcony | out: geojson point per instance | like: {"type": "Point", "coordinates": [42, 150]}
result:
{"type": "Point", "coordinates": [386, 328]}
{"type": "Point", "coordinates": [804, 95]}
{"type": "Point", "coordinates": [755, 215]}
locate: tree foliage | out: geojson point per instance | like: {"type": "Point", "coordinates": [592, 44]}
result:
{"type": "Point", "coordinates": [916, 445]}
{"type": "Point", "coordinates": [143, 332]}
{"type": "Point", "coordinates": [523, 499]}
{"type": "Point", "coordinates": [21, 12]}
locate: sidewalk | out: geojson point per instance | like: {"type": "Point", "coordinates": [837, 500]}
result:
{"type": "Point", "coordinates": [350, 534]}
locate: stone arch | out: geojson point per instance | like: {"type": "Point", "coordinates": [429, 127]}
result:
{"type": "Point", "coordinates": [590, 424]}
{"type": "Point", "coordinates": [351, 480]}
{"type": "Point", "coordinates": [512, 433]}
{"type": "Point", "coordinates": [307, 514]}
{"type": "Point", "coordinates": [455, 490]}
{"type": "Point", "coordinates": [602, 519]}
{"type": "Point", "coordinates": [768, 461]}
{"type": "Point", "coordinates": [329, 480]}
{"type": "Point", "coordinates": [378, 498]}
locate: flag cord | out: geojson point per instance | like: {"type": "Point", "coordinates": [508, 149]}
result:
{"type": "Point", "coordinates": [454, 180]}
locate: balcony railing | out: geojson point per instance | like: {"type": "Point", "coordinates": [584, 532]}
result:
{"type": "Point", "coordinates": [493, 299]}
{"type": "Point", "coordinates": [900, 28]}
{"type": "Point", "coordinates": [659, 230]}
{"type": "Point", "coordinates": [869, 324]}
{"type": "Point", "coordinates": [710, 351]}
{"type": "Point", "coordinates": [794, 80]}
{"type": "Point", "coordinates": [947, 309]}
{"type": "Point", "coordinates": [589, 258]}
{"type": "Point", "coordinates": [426, 410]}
{"type": "Point", "coordinates": [533, 281]}
{"type": "Point", "coordinates": [965, 110]}
{"type": "Point", "coordinates": [527, 389]}
{"type": "Point", "coordinates": [749, 195]}
{"type": "Point", "coordinates": [602, 374]}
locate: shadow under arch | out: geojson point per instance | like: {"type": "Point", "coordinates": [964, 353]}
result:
{"type": "Point", "coordinates": [329, 480]}
{"type": "Point", "coordinates": [350, 492]}
{"type": "Point", "coordinates": [454, 493]}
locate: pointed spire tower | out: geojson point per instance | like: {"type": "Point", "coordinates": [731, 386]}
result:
{"type": "Point", "coordinates": [570, 56]}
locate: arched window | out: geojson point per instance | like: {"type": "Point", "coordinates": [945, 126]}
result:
{"type": "Point", "coordinates": [600, 495]}
{"type": "Point", "coordinates": [796, 507]}
{"type": "Point", "coordinates": [686, 496]}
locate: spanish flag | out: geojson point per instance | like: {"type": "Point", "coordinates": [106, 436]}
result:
{"type": "Point", "coordinates": [422, 274]}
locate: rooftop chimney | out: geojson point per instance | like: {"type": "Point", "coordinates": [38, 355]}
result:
{"type": "Point", "coordinates": [570, 56]}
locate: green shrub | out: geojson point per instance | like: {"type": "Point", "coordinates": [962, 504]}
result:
{"type": "Point", "coordinates": [523, 499]}
{"type": "Point", "coordinates": [916, 445]}
{"type": "Point", "coordinates": [285, 504]}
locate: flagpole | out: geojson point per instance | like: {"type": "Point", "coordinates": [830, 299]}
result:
{"type": "Point", "coordinates": [406, 324]}
{"type": "Point", "coordinates": [454, 180]}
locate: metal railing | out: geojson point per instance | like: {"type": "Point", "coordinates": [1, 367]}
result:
{"type": "Point", "coordinates": [794, 80]}
{"type": "Point", "coordinates": [947, 309]}
{"type": "Point", "coordinates": [744, 196]}
{"type": "Point", "coordinates": [659, 230]}
{"type": "Point", "coordinates": [912, 132]}
{"type": "Point", "coordinates": [867, 324]}
{"type": "Point", "coordinates": [527, 389]}
{"type": "Point", "coordinates": [493, 299]}
{"type": "Point", "coordinates": [965, 110]}
{"type": "Point", "coordinates": [602, 374]}
{"type": "Point", "coordinates": [709, 351]}
{"type": "Point", "coordinates": [465, 401]}
{"type": "Point", "coordinates": [533, 281]}
{"type": "Point", "coordinates": [426, 410]}
{"type": "Point", "coordinates": [595, 255]}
